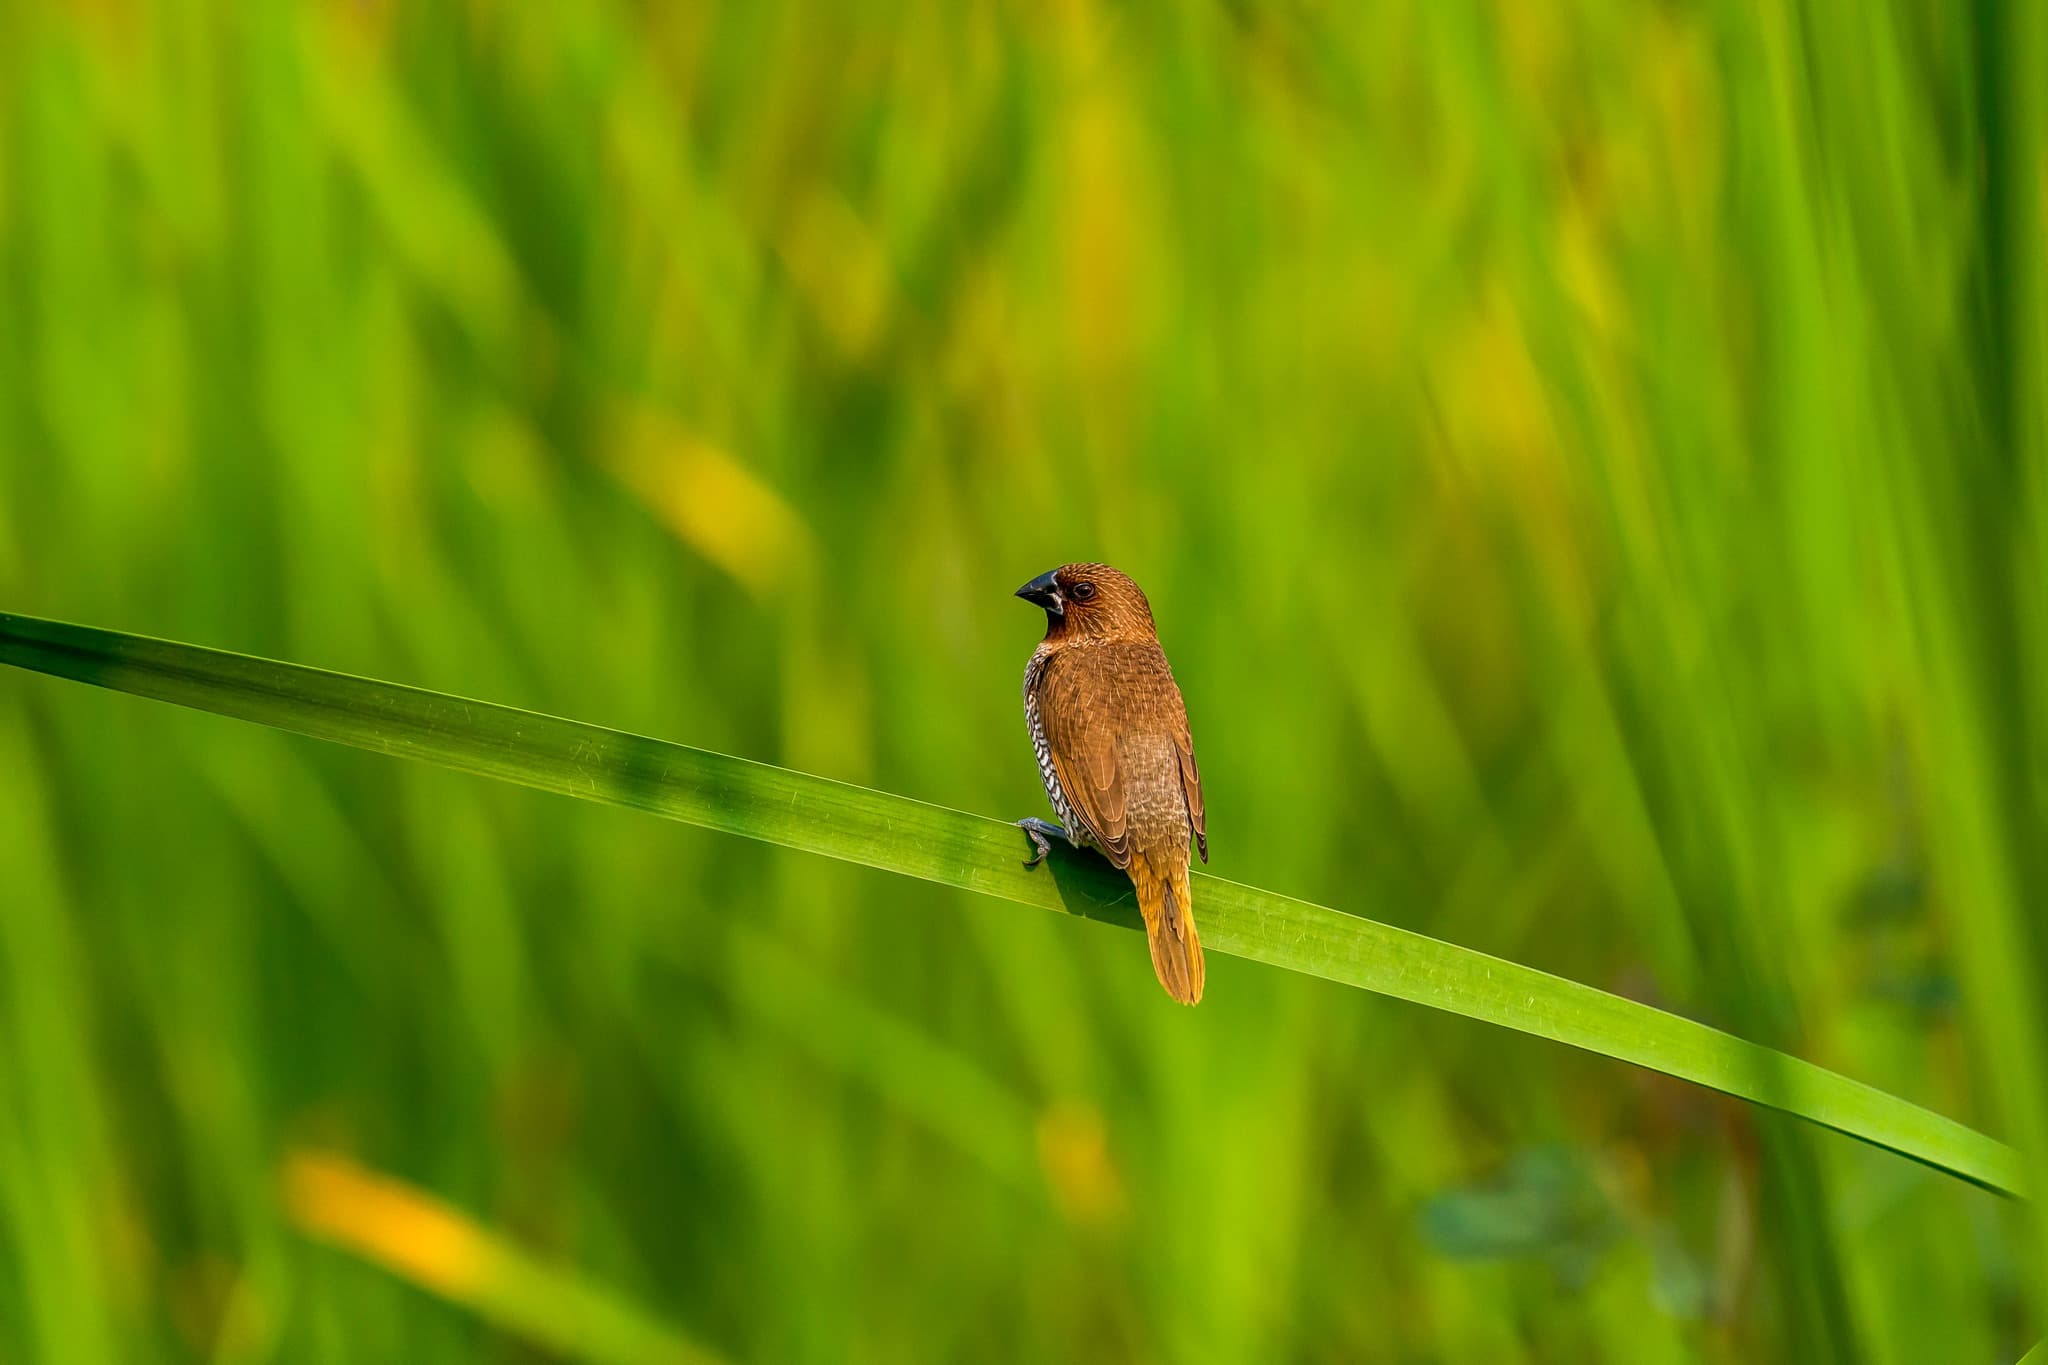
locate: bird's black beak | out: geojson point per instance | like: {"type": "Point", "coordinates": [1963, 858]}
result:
{"type": "Point", "coordinates": [1045, 592]}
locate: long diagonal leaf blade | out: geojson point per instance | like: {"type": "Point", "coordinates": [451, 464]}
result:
{"type": "Point", "coordinates": [951, 847]}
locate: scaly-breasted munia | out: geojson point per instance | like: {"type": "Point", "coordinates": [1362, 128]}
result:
{"type": "Point", "coordinates": [1111, 733]}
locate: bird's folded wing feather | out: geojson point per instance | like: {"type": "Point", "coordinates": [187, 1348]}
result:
{"type": "Point", "coordinates": [1094, 702]}
{"type": "Point", "coordinates": [1190, 776]}
{"type": "Point", "coordinates": [1079, 705]}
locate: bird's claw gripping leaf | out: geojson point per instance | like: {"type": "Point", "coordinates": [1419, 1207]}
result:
{"type": "Point", "coordinates": [1040, 831]}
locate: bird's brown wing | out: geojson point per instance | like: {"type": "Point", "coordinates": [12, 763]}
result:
{"type": "Point", "coordinates": [1079, 705]}
{"type": "Point", "coordinates": [1190, 776]}
{"type": "Point", "coordinates": [1098, 702]}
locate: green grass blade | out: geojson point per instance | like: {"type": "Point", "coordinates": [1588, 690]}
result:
{"type": "Point", "coordinates": [953, 848]}
{"type": "Point", "coordinates": [435, 1246]}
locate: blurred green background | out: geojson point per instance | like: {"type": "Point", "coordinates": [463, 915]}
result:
{"type": "Point", "coordinates": [1586, 459]}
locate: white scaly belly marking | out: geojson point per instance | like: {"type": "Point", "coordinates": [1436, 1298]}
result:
{"type": "Point", "coordinates": [1046, 772]}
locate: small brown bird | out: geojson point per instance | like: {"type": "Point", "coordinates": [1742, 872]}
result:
{"type": "Point", "coordinates": [1111, 733]}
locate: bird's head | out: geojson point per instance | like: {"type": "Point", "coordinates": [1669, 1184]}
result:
{"type": "Point", "coordinates": [1090, 600]}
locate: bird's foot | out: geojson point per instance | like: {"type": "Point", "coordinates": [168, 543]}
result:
{"type": "Point", "coordinates": [1040, 831]}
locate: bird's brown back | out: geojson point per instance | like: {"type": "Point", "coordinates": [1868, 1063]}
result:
{"type": "Point", "coordinates": [1117, 731]}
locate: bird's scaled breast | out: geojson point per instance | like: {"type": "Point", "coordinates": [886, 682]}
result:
{"type": "Point", "coordinates": [1041, 748]}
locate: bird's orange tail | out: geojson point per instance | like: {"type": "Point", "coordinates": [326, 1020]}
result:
{"type": "Point", "coordinates": [1170, 925]}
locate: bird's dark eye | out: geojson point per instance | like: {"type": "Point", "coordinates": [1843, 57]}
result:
{"type": "Point", "coordinates": [1082, 592]}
